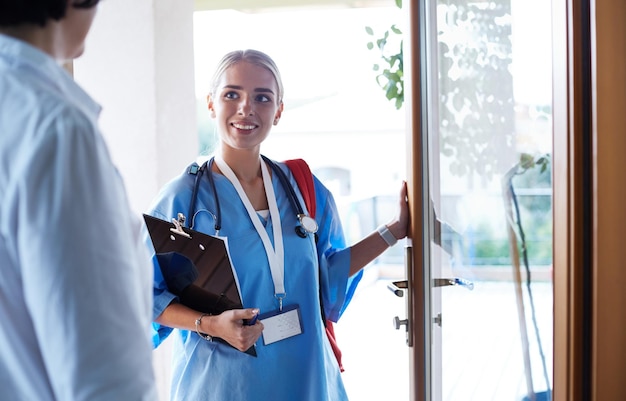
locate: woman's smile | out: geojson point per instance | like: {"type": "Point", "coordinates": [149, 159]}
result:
{"type": "Point", "coordinates": [244, 126]}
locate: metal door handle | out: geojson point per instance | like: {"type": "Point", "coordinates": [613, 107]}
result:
{"type": "Point", "coordinates": [397, 287]}
{"type": "Point", "coordinates": [442, 282]}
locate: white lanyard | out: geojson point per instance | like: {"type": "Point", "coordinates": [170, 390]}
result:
{"type": "Point", "coordinates": [275, 254]}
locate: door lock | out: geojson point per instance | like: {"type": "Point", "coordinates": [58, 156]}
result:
{"type": "Point", "coordinates": [397, 323]}
{"type": "Point", "coordinates": [399, 288]}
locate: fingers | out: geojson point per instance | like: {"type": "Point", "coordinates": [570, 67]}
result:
{"type": "Point", "coordinates": [403, 212]}
{"type": "Point", "coordinates": [251, 321]}
{"type": "Point", "coordinates": [254, 313]}
{"type": "Point", "coordinates": [235, 326]}
{"type": "Point", "coordinates": [403, 191]}
{"type": "Point", "coordinates": [240, 331]}
{"type": "Point", "coordinates": [239, 314]}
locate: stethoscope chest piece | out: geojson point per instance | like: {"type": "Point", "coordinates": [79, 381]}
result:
{"type": "Point", "coordinates": [308, 225]}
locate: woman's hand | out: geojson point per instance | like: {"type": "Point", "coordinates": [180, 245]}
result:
{"type": "Point", "coordinates": [366, 250]}
{"type": "Point", "coordinates": [231, 327]}
{"type": "Point", "coordinates": [399, 227]}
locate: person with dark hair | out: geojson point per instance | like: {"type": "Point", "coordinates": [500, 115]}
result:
{"type": "Point", "coordinates": [294, 269]}
{"type": "Point", "coordinates": [75, 279]}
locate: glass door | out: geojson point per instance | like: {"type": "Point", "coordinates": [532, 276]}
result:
{"type": "Point", "coordinates": [488, 122]}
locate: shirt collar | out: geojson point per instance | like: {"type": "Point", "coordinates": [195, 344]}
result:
{"type": "Point", "coordinates": [22, 55]}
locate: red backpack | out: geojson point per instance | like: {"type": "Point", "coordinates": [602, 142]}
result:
{"type": "Point", "coordinates": [302, 173]}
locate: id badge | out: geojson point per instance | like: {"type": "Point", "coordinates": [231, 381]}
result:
{"type": "Point", "coordinates": [281, 324]}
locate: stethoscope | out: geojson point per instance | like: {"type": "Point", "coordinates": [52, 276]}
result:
{"type": "Point", "coordinates": [307, 225]}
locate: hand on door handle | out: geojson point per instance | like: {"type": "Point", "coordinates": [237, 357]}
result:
{"type": "Point", "coordinates": [442, 282]}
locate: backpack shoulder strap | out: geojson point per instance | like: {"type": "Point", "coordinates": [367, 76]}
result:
{"type": "Point", "coordinates": [304, 178]}
{"type": "Point", "coordinates": [302, 173]}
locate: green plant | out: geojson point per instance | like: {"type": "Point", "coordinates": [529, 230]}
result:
{"type": "Point", "coordinates": [528, 161]}
{"type": "Point", "coordinates": [475, 86]}
{"type": "Point", "coordinates": [475, 105]}
{"type": "Point", "coordinates": [391, 69]}
{"type": "Point", "coordinates": [535, 210]}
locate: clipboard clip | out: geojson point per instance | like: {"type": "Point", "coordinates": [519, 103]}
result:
{"type": "Point", "coordinates": [178, 226]}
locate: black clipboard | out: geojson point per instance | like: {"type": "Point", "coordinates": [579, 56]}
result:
{"type": "Point", "coordinates": [196, 267]}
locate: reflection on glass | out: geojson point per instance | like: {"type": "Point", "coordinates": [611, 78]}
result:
{"type": "Point", "coordinates": [490, 183]}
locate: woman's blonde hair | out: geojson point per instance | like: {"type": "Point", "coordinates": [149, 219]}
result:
{"type": "Point", "coordinates": [255, 57]}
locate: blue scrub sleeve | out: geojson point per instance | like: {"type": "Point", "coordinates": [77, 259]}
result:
{"type": "Point", "coordinates": [162, 298]}
{"type": "Point", "coordinates": [334, 258]}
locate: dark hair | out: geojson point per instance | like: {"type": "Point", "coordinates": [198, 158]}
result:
{"type": "Point", "coordinates": [18, 12]}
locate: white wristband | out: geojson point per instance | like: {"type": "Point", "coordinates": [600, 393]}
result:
{"type": "Point", "coordinates": [389, 238]}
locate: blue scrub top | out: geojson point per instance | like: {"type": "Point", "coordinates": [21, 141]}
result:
{"type": "Point", "coordinates": [302, 367]}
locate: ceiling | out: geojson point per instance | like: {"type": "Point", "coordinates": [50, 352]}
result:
{"type": "Point", "coordinates": [263, 5]}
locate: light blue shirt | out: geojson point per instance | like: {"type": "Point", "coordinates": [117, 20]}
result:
{"type": "Point", "coordinates": [75, 279]}
{"type": "Point", "coordinates": [300, 368]}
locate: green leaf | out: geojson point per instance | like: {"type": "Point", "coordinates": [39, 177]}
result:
{"type": "Point", "coordinates": [392, 92]}
{"type": "Point", "coordinates": [526, 160]}
{"type": "Point", "coordinates": [390, 77]}
{"type": "Point", "coordinates": [396, 30]}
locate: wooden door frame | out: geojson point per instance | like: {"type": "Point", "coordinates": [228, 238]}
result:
{"type": "Point", "coordinates": [570, 176]}
{"type": "Point", "coordinates": [608, 77]}
{"type": "Point", "coordinates": [589, 63]}
{"type": "Point", "coordinates": [418, 310]}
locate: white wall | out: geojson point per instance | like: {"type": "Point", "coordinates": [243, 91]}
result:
{"type": "Point", "coordinates": [138, 65]}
